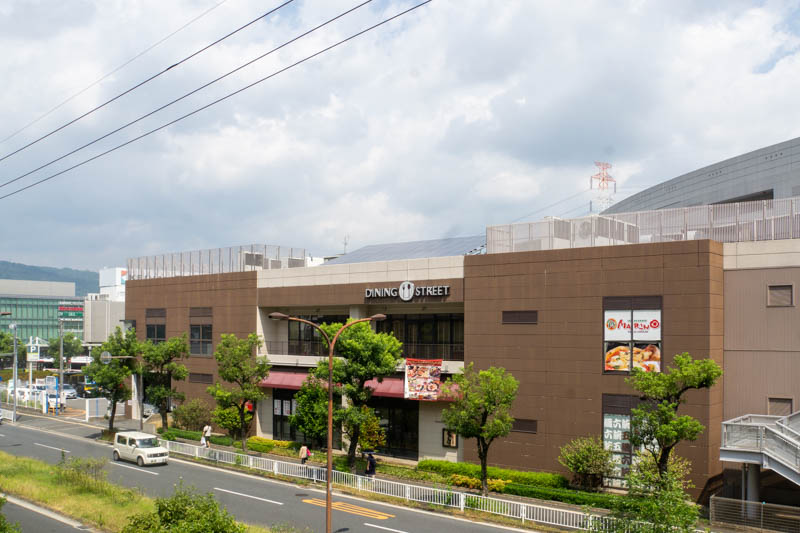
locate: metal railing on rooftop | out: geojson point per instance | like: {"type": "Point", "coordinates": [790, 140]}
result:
{"type": "Point", "coordinates": [761, 220]}
{"type": "Point", "coordinates": [216, 261]}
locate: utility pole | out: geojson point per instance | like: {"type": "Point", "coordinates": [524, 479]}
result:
{"type": "Point", "coordinates": [16, 387]}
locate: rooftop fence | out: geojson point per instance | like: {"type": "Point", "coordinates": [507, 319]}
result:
{"type": "Point", "coordinates": [216, 261]}
{"type": "Point", "coordinates": [761, 220]}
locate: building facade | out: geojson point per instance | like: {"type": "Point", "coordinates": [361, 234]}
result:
{"type": "Point", "coordinates": [34, 307]}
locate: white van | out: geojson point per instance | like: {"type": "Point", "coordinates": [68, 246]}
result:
{"type": "Point", "coordinates": [140, 447]}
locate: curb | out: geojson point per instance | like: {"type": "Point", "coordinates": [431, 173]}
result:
{"type": "Point", "coordinates": [44, 511]}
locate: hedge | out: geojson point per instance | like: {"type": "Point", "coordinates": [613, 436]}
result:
{"type": "Point", "coordinates": [576, 497]}
{"type": "Point", "coordinates": [539, 479]}
{"type": "Point", "coordinates": [175, 433]}
{"type": "Point", "coordinates": [260, 444]}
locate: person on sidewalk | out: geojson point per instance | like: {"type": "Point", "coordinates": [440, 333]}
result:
{"type": "Point", "coordinates": [371, 464]}
{"type": "Point", "coordinates": [304, 454]}
{"type": "Point", "coordinates": [206, 436]}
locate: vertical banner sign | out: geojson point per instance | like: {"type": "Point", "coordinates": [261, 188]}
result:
{"type": "Point", "coordinates": [422, 380]}
{"type": "Point", "coordinates": [616, 435]}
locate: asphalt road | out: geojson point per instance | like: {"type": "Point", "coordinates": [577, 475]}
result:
{"type": "Point", "coordinates": [34, 522]}
{"type": "Point", "coordinates": [251, 499]}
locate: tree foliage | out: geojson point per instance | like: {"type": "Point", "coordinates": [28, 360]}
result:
{"type": "Point", "coordinates": [192, 415]}
{"type": "Point", "coordinates": [7, 345]}
{"type": "Point", "coordinates": [656, 425]}
{"type": "Point", "coordinates": [110, 377]}
{"type": "Point", "coordinates": [588, 461]}
{"type": "Point", "coordinates": [373, 436]}
{"type": "Point", "coordinates": [657, 502]}
{"type": "Point", "coordinates": [185, 511]}
{"type": "Point", "coordinates": [73, 347]}
{"type": "Point", "coordinates": [162, 362]}
{"type": "Point", "coordinates": [311, 412]}
{"type": "Point", "coordinates": [482, 408]}
{"type": "Point", "coordinates": [362, 355]}
{"type": "Point", "coordinates": [5, 525]}
{"type": "Point", "coordinates": [238, 365]}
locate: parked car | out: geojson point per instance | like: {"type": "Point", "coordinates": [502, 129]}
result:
{"type": "Point", "coordinates": [68, 392]}
{"type": "Point", "coordinates": [143, 448]}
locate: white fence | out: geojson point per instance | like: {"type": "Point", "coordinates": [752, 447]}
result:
{"type": "Point", "coordinates": [430, 495]}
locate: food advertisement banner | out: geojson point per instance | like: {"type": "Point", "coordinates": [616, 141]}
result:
{"type": "Point", "coordinates": [632, 339]}
{"type": "Point", "coordinates": [423, 379]}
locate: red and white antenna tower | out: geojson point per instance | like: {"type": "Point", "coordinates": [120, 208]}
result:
{"type": "Point", "coordinates": [604, 196]}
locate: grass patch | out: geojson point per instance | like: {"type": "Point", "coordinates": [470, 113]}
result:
{"type": "Point", "coordinates": [72, 489]}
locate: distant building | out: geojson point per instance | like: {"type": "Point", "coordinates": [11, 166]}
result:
{"type": "Point", "coordinates": [34, 307]}
{"type": "Point", "coordinates": [112, 283]}
{"type": "Point", "coordinates": [769, 173]}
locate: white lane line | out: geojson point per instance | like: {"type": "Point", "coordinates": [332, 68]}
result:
{"type": "Point", "coordinates": [248, 496]}
{"type": "Point", "coordinates": [1, 435]}
{"type": "Point", "coordinates": [142, 470]}
{"type": "Point", "coordinates": [384, 528]}
{"type": "Point", "coordinates": [52, 447]}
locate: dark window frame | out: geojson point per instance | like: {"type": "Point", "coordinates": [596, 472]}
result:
{"type": "Point", "coordinates": [520, 317]}
{"type": "Point", "coordinates": [525, 425]}
{"type": "Point", "coordinates": [194, 377]}
{"type": "Point", "coordinates": [154, 337]}
{"type": "Point", "coordinates": [202, 344]}
{"type": "Point", "coordinates": [449, 438]}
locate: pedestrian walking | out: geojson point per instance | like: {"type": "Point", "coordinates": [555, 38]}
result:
{"type": "Point", "coordinates": [371, 464]}
{"type": "Point", "coordinates": [206, 440]}
{"type": "Point", "coordinates": [304, 454]}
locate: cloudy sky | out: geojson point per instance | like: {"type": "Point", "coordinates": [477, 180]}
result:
{"type": "Point", "coordinates": [459, 115]}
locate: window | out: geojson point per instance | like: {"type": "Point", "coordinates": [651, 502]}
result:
{"type": "Point", "coordinates": [155, 313]}
{"type": "Point", "coordinates": [156, 333]}
{"type": "Point", "coordinates": [449, 438]}
{"type": "Point", "coordinates": [522, 425]}
{"type": "Point", "coordinates": [200, 378]}
{"type": "Point", "coordinates": [520, 317]}
{"type": "Point", "coordinates": [780, 296]}
{"type": "Point", "coordinates": [200, 311]}
{"type": "Point", "coordinates": [200, 340]}
{"type": "Point", "coordinates": [779, 406]}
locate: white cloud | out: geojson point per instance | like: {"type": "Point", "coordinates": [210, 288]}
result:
{"type": "Point", "coordinates": [460, 115]}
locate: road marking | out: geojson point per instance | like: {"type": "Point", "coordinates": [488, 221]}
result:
{"type": "Point", "coordinates": [1, 435]}
{"type": "Point", "coordinates": [248, 496]}
{"type": "Point", "coordinates": [52, 447]}
{"type": "Point", "coordinates": [384, 528]}
{"type": "Point", "coordinates": [136, 468]}
{"type": "Point", "coordinates": [352, 509]}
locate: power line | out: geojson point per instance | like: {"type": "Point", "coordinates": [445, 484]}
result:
{"type": "Point", "coordinates": [543, 208]}
{"type": "Point", "coordinates": [151, 78]}
{"type": "Point", "coordinates": [151, 113]}
{"type": "Point", "coordinates": [104, 76]}
{"type": "Point", "coordinates": [277, 72]}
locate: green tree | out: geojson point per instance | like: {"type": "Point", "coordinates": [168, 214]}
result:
{"type": "Point", "coordinates": [238, 364]}
{"type": "Point", "coordinates": [362, 355]}
{"type": "Point", "coordinates": [657, 502]}
{"type": "Point", "coordinates": [372, 434]}
{"type": "Point", "coordinates": [185, 511]}
{"type": "Point", "coordinates": [73, 347]}
{"type": "Point", "coordinates": [228, 419]}
{"type": "Point", "coordinates": [655, 424]}
{"type": "Point", "coordinates": [161, 362]}
{"type": "Point", "coordinates": [311, 412]}
{"type": "Point", "coordinates": [588, 461]}
{"type": "Point", "coordinates": [7, 346]}
{"type": "Point", "coordinates": [481, 409]}
{"type": "Point", "coordinates": [5, 526]}
{"type": "Point", "coordinates": [110, 377]}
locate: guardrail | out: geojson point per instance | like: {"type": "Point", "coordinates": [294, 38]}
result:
{"type": "Point", "coordinates": [762, 516]}
{"type": "Point", "coordinates": [6, 413]}
{"type": "Point", "coordinates": [442, 497]}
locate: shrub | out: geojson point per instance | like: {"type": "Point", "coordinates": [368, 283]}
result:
{"type": "Point", "coordinates": [588, 461]}
{"type": "Point", "coordinates": [458, 480]}
{"type": "Point", "coordinates": [192, 415]}
{"type": "Point", "coordinates": [185, 512]}
{"type": "Point", "coordinates": [260, 444]}
{"type": "Point", "coordinates": [592, 499]}
{"type": "Point", "coordinates": [447, 468]}
{"type": "Point", "coordinates": [5, 526]}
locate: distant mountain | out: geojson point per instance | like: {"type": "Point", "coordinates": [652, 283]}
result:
{"type": "Point", "coordinates": [85, 281]}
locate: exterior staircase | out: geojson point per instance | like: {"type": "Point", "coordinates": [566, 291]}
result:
{"type": "Point", "coordinates": [770, 441]}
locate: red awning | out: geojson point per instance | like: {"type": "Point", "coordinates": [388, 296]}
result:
{"type": "Point", "coordinates": [284, 380]}
{"type": "Point", "coordinates": [388, 388]}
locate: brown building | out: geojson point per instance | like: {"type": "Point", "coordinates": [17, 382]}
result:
{"type": "Point", "coordinates": [568, 323]}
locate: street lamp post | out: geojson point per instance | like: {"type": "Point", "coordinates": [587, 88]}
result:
{"type": "Point", "coordinates": [16, 391]}
{"type": "Point", "coordinates": [331, 344]}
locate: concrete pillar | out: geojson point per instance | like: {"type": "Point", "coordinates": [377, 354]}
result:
{"type": "Point", "coordinates": [754, 483]}
{"type": "Point", "coordinates": [358, 311]}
